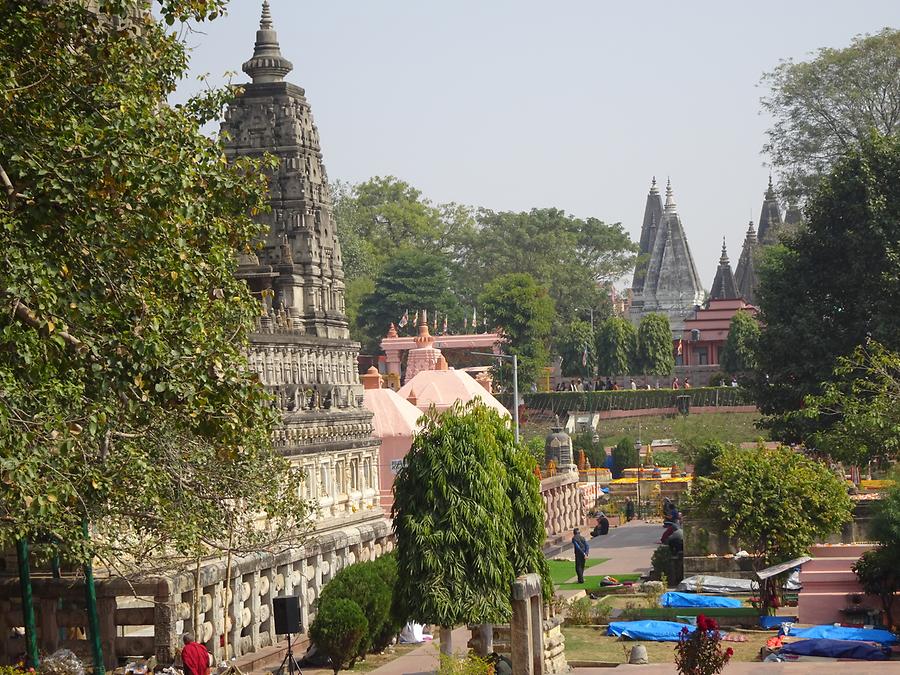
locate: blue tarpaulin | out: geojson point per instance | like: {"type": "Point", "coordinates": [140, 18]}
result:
{"type": "Point", "coordinates": [775, 621]}
{"type": "Point", "coordinates": [882, 637]}
{"type": "Point", "coordinates": [656, 631]}
{"type": "Point", "coordinates": [836, 649]}
{"type": "Point", "coordinates": [673, 599]}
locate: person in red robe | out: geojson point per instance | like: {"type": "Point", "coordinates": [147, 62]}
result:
{"type": "Point", "coordinates": [194, 657]}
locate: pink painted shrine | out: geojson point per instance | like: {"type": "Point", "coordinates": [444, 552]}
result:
{"type": "Point", "coordinates": [424, 349]}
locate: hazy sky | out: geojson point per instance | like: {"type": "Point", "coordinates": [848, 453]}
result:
{"type": "Point", "coordinates": [514, 104]}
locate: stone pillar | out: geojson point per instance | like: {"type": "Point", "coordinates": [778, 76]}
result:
{"type": "Point", "coordinates": [526, 627]}
{"type": "Point", "coordinates": [164, 620]}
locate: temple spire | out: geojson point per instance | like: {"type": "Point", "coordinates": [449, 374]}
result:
{"type": "Point", "coordinates": [723, 260]}
{"type": "Point", "coordinates": [724, 287]}
{"type": "Point", "coordinates": [267, 63]}
{"type": "Point", "coordinates": [653, 189]}
{"type": "Point", "coordinates": [670, 196]}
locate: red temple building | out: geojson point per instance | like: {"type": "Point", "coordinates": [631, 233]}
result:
{"type": "Point", "coordinates": [706, 332]}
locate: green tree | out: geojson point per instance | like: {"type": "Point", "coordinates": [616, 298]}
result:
{"type": "Point", "coordinates": [655, 354]}
{"type": "Point", "coordinates": [826, 107]}
{"type": "Point", "coordinates": [127, 400]}
{"type": "Point", "coordinates": [576, 347]}
{"type": "Point", "coordinates": [832, 286]}
{"type": "Point", "coordinates": [522, 312]}
{"type": "Point", "coordinates": [458, 545]}
{"type": "Point", "coordinates": [412, 281]}
{"type": "Point", "coordinates": [739, 354]}
{"type": "Point", "coordinates": [625, 456]}
{"type": "Point", "coordinates": [338, 629]}
{"type": "Point", "coordinates": [859, 407]}
{"type": "Point", "coordinates": [878, 572]}
{"type": "Point", "coordinates": [774, 503]}
{"type": "Point", "coordinates": [616, 347]}
{"type": "Point", "coordinates": [363, 584]}
{"type": "Point", "coordinates": [706, 456]}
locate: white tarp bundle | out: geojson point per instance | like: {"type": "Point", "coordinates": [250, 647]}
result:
{"type": "Point", "coordinates": [712, 584]}
{"type": "Point", "coordinates": [413, 634]}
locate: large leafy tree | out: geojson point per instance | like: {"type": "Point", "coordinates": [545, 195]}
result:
{"type": "Point", "coordinates": [616, 347]}
{"type": "Point", "coordinates": [458, 504]}
{"type": "Point", "coordinates": [827, 106]}
{"type": "Point", "coordinates": [739, 354]}
{"type": "Point", "coordinates": [125, 396]}
{"type": "Point", "coordinates": [831, 286]}
{"type": "Point", "coordinates": [522, 312]}
{"type": "Point", "coordinates": [411, 280]}
{"type": "Point", "coordinates": [576, 347]}
{"type": "Point", "coordinates": [655, 354]}
{"type": "Point", "coordinates": [861, 407]}
{"type": "Point", "coordinates": [774, 503]}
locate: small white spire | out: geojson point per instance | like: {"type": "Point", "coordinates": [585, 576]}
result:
{"type": "Point", "coordinates": [670, 196]}
{"type": "Point", "coordinates": [653, 189]}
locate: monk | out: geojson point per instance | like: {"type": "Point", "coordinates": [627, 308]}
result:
{"type": "Point", "coordinates": [194, 656]}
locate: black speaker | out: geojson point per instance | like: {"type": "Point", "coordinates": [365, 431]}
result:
{"type": "Point", "coordinates": [287, 614]}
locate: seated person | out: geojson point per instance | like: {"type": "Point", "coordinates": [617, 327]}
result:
{"type": "Point", "coordinates": [670, 528]}
{"type": "Point", "coordinates": [602, 526]}
{"type": "Point", "coordinates": [676, 541]}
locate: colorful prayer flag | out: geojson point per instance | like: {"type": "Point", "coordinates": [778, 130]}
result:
{"type": "Point", "coordinates": [404, 319]}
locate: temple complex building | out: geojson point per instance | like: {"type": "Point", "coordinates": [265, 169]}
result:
{"type": "Point", "coordinates": [666, 279]}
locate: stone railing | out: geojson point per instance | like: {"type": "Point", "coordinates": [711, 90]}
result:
{"type": "Point", "coordinates": [563, 503]}
{"type": "Point", "coordinates": [146, 618]}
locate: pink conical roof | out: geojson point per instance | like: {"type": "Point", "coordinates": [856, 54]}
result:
{"type": "Point", "coordinates": [393, 415]}
{"type": "Point", "coordinates": [442, 388]}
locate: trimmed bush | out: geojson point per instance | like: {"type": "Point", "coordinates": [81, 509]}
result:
{"type": "Point", "coordinates": [386, 568]}
{"type": "Point", "coordinates": [338, 630]}
{"type": "Point", "coordinates": [562, 402]}
{"type": "Point", "coordinates": [363, 584]}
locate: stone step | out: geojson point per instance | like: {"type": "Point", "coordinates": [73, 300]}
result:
{"type": "Point", "coordinates": [845, 576]}
{"type": "Point", "coordinates": [839, 550]}
{"type": "Point", "coordinates": [828, 564]}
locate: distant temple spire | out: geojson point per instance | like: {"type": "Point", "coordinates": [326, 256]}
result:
{"type": "Point", "coordinates": [653, 212]}
{"type": "Point", "coordinates": [723, 287]}
{"type": "Point", "coordinates": [745, 276]}
{"type": "Point", "coordinates": [770, 222]}
{"type": "Point", "coordinates": [267, 63]}
{"type": "Point", "coordinates": [670, 196]}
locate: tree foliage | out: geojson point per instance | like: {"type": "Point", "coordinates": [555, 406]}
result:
{"type": "Point", "coordinates": [576, 343]}
{"type": "Point", "coordinates": [655, 354]}
{"type": "Point", "coordinates": [827, 106]}
{"type": "Point", "coordinates": [521, 311]}
{"type": "Point", "coordinates": [832, 286]}
{"type": "Point", "coordinates": [338, 629]}
{"type": "Point", "coordinates": [616, 347]}
{"type": "Point", "coordinates": [860, 407]}
{"type": "Point", "coordinates": [774, 503]}
{"type": "Point", "coordinates": [625, 456]}
{"type": "Point", "coordinates": [363, 584]}
{"type": "Point", "coordinates": [739, 353]}
{"type": "Point", "coordinates": [126, 395]}
{"type": "Point", "coordinates": [459, 545]}
{"type": "Point", "coordinates": [878, 572]}
{"type": "Point", "coordinates": [413, 281]}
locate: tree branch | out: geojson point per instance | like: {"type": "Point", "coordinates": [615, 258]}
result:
{"type": "Point", "coordinates": [25, 316]}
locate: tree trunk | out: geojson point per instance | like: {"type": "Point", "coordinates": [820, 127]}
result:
{"type": "Point", "coordinates": [486, 639]}
{"type": "Point", "coordinates": [446, 640]}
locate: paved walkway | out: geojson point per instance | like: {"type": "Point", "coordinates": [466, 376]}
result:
{"type": "Point", "coordinates": [628, 547]}
{"type": "Point", "coordinates": [754, 668]}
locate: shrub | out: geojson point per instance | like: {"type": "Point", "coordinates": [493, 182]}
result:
{"type": "Point", "coordinates": [364, 585]}
{"type": "Point", "coordinates": [705, 457]}
{"type": "Point", "coordinates": [470, 664]}
{"type": "Point", "coordinates": [595, 452]}
{"type": "Point", "coordinates": [625, 455]}
{"type": "Point", "coordinates": [878, 572]}
{"type": "Point", "coordinates": [338, 629]}
{"type": "Point", "coordinates": [386, 568]}
{"type": "Point", "coordinates": [700, 652]}
{"type": "Point", "coordinates": [579, 612]}
{"type": "Point", "coordinates": [653, 590]}
{"type": "Point", "coordinates": [600, 612]}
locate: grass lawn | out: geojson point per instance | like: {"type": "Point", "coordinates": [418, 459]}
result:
{"type": "Point", "coordinates": [592, 582]}
{"type": "Point", "coordinates": [726, 427]}
{"type": "Point", "coordinates": [563, 570]}
{"type": "Point", "coordinates": [592, 644]}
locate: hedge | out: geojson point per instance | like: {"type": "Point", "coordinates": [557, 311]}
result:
{"type": "Point", "coordinates": [629, 399]}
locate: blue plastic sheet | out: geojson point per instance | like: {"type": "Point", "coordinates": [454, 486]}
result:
{"type": "Point", "coordinates": [882, 637]}
{"type": "Point", "coordinates": [775, 621]}
{"type": "Point", "coordinates": [655, 631]}
{"type": "Point", "coordinates": [674, 599]}
{"type": "Point", "coordinates": [836, 649]}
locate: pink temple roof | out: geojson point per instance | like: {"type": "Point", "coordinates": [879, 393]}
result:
{"type": "Point", "coordinates": [393, 415]}
{"type": "Point", "coordinates": [442, 388]}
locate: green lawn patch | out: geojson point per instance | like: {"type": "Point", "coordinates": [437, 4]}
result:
{"type": "Point", "coordinates": [563, 570]}
{"type": "Point", "coordinates": [593, 582]}
{"type": "Point", "coordinates": [592, 644]}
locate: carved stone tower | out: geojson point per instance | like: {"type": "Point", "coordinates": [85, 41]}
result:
{"type": "Point", "coordinates": [298, 271]}
{"type": "Point", "coordinates": [301, 348]}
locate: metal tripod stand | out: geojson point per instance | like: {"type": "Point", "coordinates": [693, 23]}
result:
{"type": "Point", "coordinates": [289, 661]}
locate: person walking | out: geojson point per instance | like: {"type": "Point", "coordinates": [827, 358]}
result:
{"type": "Point", "coordinates": [581, 552]}
{"type": "Point", "coordinates": [194, 657]}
